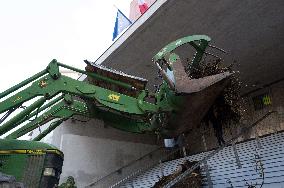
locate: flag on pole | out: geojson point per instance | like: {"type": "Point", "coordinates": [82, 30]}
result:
{"type": "Point", "coordinates": [121, 23]}
{"type": "Point", "coordinates": [143, 7]}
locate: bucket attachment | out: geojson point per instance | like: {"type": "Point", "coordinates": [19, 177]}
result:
{"type": "Point", "coordinates": [197, 94]}
{"type": "Point", "coordinates": [196, 104]}
{"type": "Point", "coordinates": [186, 85]}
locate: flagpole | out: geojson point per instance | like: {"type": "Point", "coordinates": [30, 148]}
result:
{"type": "Point", "coordinates": [115, 6]}
{"type": "Point", "coordinates": [122, 13]}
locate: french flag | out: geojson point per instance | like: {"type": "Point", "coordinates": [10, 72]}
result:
{"type": "Point", "coordinates": [142, 6]}
{"type": "Point", "coordinates": [121, 23]}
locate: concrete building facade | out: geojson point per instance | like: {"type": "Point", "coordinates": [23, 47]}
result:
{"type": "Point", "coordinates": [204, 139]}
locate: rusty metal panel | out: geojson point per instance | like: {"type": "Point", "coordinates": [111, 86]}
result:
{"type": "Point", "coordinates": [136, 82]}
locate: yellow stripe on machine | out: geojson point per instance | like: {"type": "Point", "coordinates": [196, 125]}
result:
{"type": "Point", "coordinates": [28, 151]}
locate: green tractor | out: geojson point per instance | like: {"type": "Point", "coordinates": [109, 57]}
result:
{"type": "Point", "coordinates": [119, 99]}
{"type": "Point", "coordinates": [29, 164]}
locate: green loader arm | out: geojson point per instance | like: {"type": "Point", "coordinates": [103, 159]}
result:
{"type": "Point", "coordinates": [48, 86]}
{"type": "Point", "coordinates": [118, 99]}
{"type": "Point", "coordinates": [62, 111]}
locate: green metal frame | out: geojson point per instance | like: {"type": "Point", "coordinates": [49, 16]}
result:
{"type": "Point", "coordinates": [133, 114]}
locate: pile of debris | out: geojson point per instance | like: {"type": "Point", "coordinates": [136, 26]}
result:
{"type": "Point", "coordinates": [227, 110]}
{"type": "Point", "coordinates": [194, 180]}
{"type": "Point", "coordinates": [228, 105]}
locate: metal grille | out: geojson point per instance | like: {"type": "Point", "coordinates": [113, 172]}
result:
{"type": "Point", "coordinates": [33, 171]}
{"type": "Point", "coordinates": [226, 171]}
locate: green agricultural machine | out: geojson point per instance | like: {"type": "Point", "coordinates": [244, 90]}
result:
{"type": "Point", "coordinates": [29, 164]}
{"type": "Point", "coordinates": [119, 99]}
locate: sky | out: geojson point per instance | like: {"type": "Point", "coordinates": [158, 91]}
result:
{"type": "Point", "coordinates": [33, 32]}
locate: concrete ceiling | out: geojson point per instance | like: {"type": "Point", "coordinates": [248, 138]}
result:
{"type": "Point", "coordinates": [251, 31]}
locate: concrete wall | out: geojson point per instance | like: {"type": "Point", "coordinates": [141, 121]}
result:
{"type": "Point", "coordinates": [272, 124]}
{"type": "Point", "coordinates": [88, 159]}
{"type": "Point", "coordinates": [93, 150]}
{"type": "Point", "coordinates": [275, 122]}
{"type": "Point", "coordinates": [97, 128]}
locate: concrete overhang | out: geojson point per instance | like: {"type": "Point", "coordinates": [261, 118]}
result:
{"type": "Point", "coordinates": [251, 31]}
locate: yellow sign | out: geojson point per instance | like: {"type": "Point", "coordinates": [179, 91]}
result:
{"type": "Point", "coordinates": [114, 97]}
{"type": "Point", "coordinates": [17, 98]}
{"type": "Point", "coordinates": [42, 83]}
{"type": "Point", "coordinates": [38, 152]}
{"type": "Point", "coordinates": [266, 100]}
